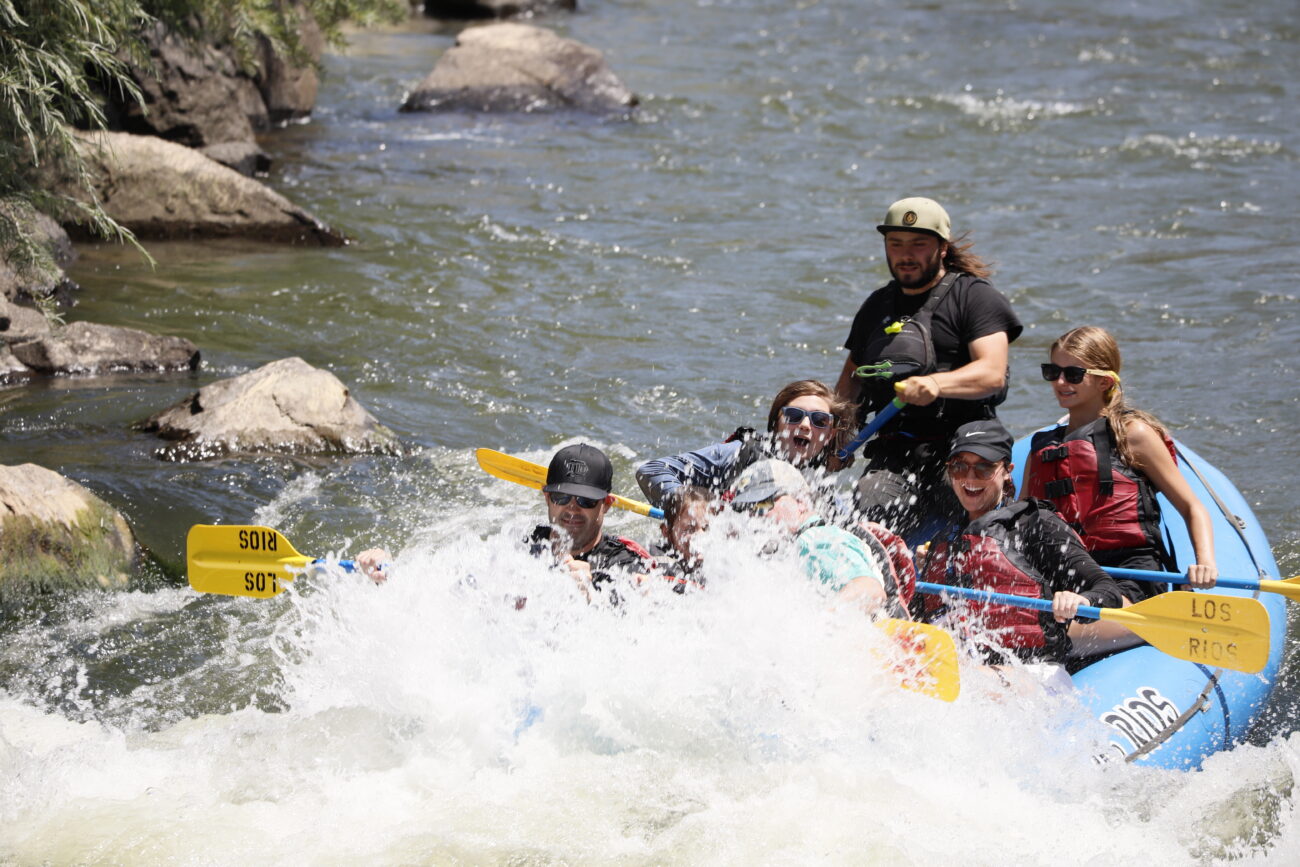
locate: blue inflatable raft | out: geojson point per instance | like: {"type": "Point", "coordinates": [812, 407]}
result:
{"type": "Point", "coordinates": [1172, 713]}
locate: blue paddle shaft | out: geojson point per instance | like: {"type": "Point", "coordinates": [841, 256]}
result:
{"type": "Point", "coordinates": [891, 409]}
{"type": "Point", "coordinates": [348, 565]}
{"type": "Point", "coordinates": [1091, 612]}
{"type": "Point", "coordinates": [1176, 578]}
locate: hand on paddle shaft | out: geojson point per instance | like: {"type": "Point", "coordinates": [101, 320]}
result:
{"type": "Point", "coordinates": [1290, 588]}
{"type": "Point", "coordinates": [373, 562]}
{"type": "Point", "coordinates": [1223, 631]}
{"type": "Point", "coordinates": [917, 390]}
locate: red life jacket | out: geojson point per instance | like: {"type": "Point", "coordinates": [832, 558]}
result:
{"type": "Point", "coordinates": [896, 565]}
{"type": "Point", "coordinates": [1081, 472]}
{"type": "Point", "coordinates": [987, 556]}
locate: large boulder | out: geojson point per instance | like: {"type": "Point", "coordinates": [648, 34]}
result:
{"type": "Point", "coordinates": [55, 534]}
{"type": "Point", "coordinates": [197, 94]}
{"type": "Point", "coordinates": [289, 90]}
{"type": "Point", "coordinates": [287, 406]}
{"type": "Point", "coordinates": [11, 369]}
{"type": "Point", "coordinates": [193, 93]}
{"type": "Point", "coordinates": [162, 190]}
{"type": "Point", "coordinates": [495, 8]}
{"type": "Point", "coordinates": [90, 348]}
{"type": "Point", "coordinates": [518, 67]}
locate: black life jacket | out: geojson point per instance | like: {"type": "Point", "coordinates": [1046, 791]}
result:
{"type": "Point", "coordinates": [610, 553]}
{"type": "Point", "coordinates": [1109, 504]}
{"type": "Point", "coordinates": [907, 344]}
{"type": "Point", "coordinates": [988, 555]}
{"type": "Point", "coordinates": [753, 448]}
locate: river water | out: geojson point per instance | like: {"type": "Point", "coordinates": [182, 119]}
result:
{"type": "Point", "coordinates": [647, 284]}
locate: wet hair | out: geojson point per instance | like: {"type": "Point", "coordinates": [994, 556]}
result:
{"type": "Point", "coordinates": [842, 431]}
{"type": "Point", "coordinates": [682, 498]}
{"type": "Point", "coordinates": [1096, 348]}
{"type": "Point", "coordinates": [960, 258]}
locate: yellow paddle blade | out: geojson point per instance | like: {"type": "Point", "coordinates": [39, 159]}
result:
{"type": "Point", "coordinates": [532, 475]}
{"type": "Point", "coordinates": [512, 469]}
{"type": "Point", "coordinates": [928, 664]}
{"type": "Point", "coordinates": [240, 560]}
{"type": "Point", "coordinates": [1219, 631]}
{"type": "Point", "coordinates": [1290, 588]}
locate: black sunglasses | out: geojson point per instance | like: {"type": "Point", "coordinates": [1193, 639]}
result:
{"type": "Point", "coordinates": [1073, 375]}
{"type": "Point", "coordinates": [583, 502]}
{"type": "Point", "coordinates": [795, 415]}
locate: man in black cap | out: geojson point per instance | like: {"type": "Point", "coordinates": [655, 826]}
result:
{"type": "Point", "coordinates": [940, 332]}
{"type": "Point", "coordinates": [577, 495]}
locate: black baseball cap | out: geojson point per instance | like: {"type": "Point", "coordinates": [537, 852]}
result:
{"type": "Point", "coordinates": [986, 438]}
{"type": "Point", "coordinates": [580, 470]}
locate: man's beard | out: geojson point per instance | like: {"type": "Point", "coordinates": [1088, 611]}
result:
{"type": "Point", "coordinates": [926, 276]}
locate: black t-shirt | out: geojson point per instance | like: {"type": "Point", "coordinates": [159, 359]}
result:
{"type": "Point", "coordinates": [972, 309]}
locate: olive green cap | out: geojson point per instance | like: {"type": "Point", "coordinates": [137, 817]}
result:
{"type": "Point", "coordinates": [917, 214]}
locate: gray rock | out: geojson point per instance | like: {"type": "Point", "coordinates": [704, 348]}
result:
{"type": "Point", "coordinates": [194, 94]}
{"type": "Point", "coordinates": [18, 323]}
{"type": "Point", "coordinates": [90, 348]}
{"type": "Point", "coordinates": [518, 67]}
{"type": "Point", "coordinates": [495, 8]}
{"type": "Point", "coordinates": [244, 157]}
{"type": "Point", "coordinates": [158, 189]}
{"type": "Point", "coordinates": [11, 369]}
{"type": "Point", "coordinates": [287, 406]}
{"type": "Point", "coordinates": [33, 249]}
{"type": "Point", "coordinates": [55, 534]}
{"type": "Point", "coordinates": [289, 90]}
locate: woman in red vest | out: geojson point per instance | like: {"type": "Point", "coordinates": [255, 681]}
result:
{"type": "Point", "coordinates": [1021, 548]}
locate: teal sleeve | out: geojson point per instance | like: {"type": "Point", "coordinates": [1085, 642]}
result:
{"type": "Point", "coordinates": [835, 557]}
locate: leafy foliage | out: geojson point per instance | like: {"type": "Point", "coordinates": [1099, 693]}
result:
{"type": "Point", "coordinates": [51, 53]}
{"type": "Point", "coordinates": [54, 54]}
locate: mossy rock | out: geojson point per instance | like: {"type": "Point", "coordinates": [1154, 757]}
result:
{"type": "Point", "coordinates": [57, 535]}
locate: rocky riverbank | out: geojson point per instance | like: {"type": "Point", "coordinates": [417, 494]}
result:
{"type": "Point", "coordinates": [184, 163]}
